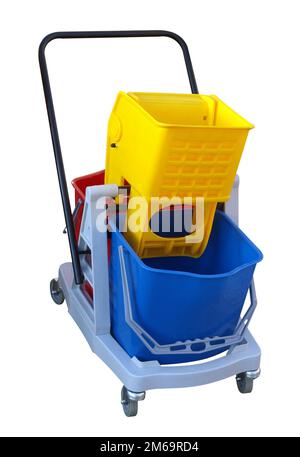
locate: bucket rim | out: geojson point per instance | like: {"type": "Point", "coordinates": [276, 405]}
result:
{"type": "Point", "coordinates": [232, 272]}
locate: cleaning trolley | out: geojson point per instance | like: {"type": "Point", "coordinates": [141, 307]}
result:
{"type": "Point", "coordinates": [162, 306]}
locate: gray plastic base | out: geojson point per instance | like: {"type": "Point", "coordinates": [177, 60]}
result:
{"type": "Point", "coordinates": [141, 376]}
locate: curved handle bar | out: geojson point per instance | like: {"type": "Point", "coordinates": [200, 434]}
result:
{"type": "Point", "coordinates": [52, 118]}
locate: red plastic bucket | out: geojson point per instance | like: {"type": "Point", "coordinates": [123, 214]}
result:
{"type": "Point", "coordinates": [80, 185]}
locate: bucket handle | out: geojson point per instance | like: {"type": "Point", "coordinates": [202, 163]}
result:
{"type": "Point", "coordinates": [195, 346]}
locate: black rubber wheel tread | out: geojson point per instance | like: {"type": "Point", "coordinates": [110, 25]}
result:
{"type": "Point", "coordinates": [244, 383]}
{"type": "Point", "coordinates": [130, 407]}
{"type": "Point", "coordinates": [56, 293]}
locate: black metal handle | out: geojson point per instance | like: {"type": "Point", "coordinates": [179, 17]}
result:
{"type": "Point", "coordinates": [75, 213]}
{"type": "Point", "coordinates": [52, 118]}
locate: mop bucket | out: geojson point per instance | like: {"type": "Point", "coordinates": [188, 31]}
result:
{"type": "Point", "coordinates": [180, 309]}
{"type": "Point", "coordinates": [80, 184]}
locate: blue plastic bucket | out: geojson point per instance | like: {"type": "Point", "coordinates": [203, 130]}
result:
{"type": "Point", "coordinates": [180, 298]}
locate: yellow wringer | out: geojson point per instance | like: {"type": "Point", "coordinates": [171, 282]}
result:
{"type": "Point", "coordinates": [174, 145]}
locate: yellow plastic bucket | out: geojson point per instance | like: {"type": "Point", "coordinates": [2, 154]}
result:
{"type": "Point", "coordinates": [184, 145]}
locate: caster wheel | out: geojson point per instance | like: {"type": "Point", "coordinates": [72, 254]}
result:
{"type": "Point", "coordinates": [244, 383]}
{"type": "Point", "coordinates": [130, 407]}
{"type": "Point", "coordinates": [56, 292]}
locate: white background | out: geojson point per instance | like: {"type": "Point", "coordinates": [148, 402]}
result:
{"type": "Point", "coordinates": [246, 52]}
